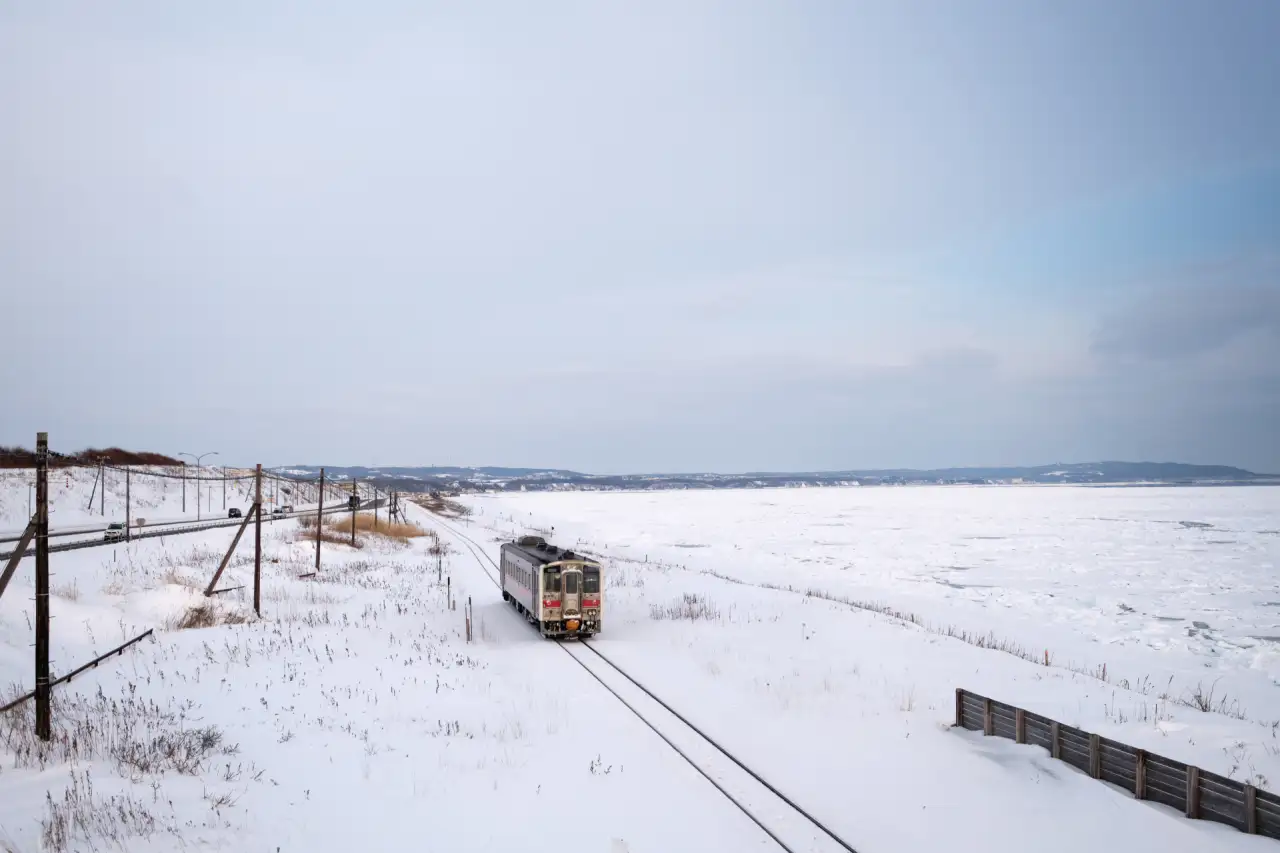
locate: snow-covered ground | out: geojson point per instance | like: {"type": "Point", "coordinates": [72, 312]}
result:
{"type": "Point", "coordinates": [362, 719]}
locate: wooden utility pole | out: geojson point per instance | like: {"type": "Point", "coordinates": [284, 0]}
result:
{"type": "Point", "coordinates": [224, 486]}
{"type": "Point", "coordinates": [43, 722]}
{"type": "Point", "coordinates": [102, 497]}
{"type": "Point", "coordinates": [128, 516]}
{"type": "Point", "coordinates": [184, 488]}
{"type": "Point", "coordinates": [375, 507]}
{"type": "Point", "coordinates": [355, 501]}
{"type": "Point", "coordinates": [257, 542]}
{"type": "Point", "coordinates": [319, 519]}
{"type": "Point", "coordinates": [94, 492]}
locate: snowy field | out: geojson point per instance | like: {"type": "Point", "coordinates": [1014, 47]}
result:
{"type": "Point", "coordinates": [355, 715]}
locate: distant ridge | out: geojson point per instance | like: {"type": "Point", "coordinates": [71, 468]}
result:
{"type": "Point", "coordinates": [492, 478]}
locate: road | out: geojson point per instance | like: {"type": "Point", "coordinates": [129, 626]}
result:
{"type": "Point", "coordinates": [170, 528]}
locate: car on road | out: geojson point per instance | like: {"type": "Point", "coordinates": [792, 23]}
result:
{"type": "Point", "coordinates": [234, 512]}
{"type": "Point", "coordinates": [287, 507]}
{"type": "Point", "coordinates": [278, 511]}
{"type": "Point", "coordinates": [114, 533]}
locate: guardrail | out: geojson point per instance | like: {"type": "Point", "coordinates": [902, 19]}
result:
{"type": "Point", "coordinates": [147, 532]}
{"type": "Point", "coordinates": [1196, 793]}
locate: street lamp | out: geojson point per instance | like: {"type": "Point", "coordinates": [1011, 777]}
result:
{"type": "Point", "coordinates": [184, 479]}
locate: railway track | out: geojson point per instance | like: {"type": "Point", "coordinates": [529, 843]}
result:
{"type": "Point", "coordinates": [784, 821]}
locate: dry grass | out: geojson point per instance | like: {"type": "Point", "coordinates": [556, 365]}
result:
{"type": "Point", "coordinates": [173, 576]}
{"type": "Point", "coordinates": [365, 524]}
{"type": "Point", "coordinates": [337, 529]}
{"type": "Point", "coordinates": [691, 606]}
{"type": "Point", "coordinates": [207, 615]}
{"type": "Point", "coordinates": [69, 591]}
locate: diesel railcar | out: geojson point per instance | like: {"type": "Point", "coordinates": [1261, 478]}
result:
{"type": "Point", "coordinates": [554, 588]}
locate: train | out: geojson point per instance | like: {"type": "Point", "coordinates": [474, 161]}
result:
{"type": "Point", "coordinates": [554, 588]}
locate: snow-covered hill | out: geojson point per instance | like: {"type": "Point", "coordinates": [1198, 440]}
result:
{"type": "Point", "coordinates": [78, 496]}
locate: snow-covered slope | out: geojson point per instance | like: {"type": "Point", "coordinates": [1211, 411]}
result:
{"type": "Point", "coordinates": [78, 498]}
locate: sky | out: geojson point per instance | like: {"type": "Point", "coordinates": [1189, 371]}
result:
{"type": "Point", "coordinates": [658, 236]}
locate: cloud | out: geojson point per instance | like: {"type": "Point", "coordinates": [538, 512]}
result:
{"type": "Point", "coordinates": [1188, 321]}
{"type": "Point", "coordinates": [670, 234]}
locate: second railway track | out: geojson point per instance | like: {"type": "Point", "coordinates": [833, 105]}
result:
{"type": "Point", "coordinates": [791, 827]}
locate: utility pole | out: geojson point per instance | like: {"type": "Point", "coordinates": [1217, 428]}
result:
{"type": "Point", "coordinates": [257, 541]}
{"type": "Point", "coordinates": [224, 485]}
{"type": "Point", "coordinates": [102, 498]}
{"type": "Point", "coordinates": [128, 522]}
{"type": "Point", "coordinates": [355, 502]}
{"type": "Point", "coordinates": [93, 493]}
{"type": "Point", "coordinates": [43, 722]}
{"type": "Point", "coordinates": [375, 507]}
{"type": "Point", "coordinates": [319, 519]}
{"type": "Point", "coordinates": [184, 487]}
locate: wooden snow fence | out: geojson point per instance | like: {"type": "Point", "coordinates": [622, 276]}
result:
{"type": "Point", "coordinates": [1196, 793]}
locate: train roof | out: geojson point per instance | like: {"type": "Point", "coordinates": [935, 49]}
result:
{"type": "Point", "coordinates": [538, 549]}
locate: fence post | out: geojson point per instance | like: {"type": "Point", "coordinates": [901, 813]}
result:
{"type": "Point", "coordinates": [1019, 726]}
{"type": "Point", "coordinates": [1250, 809]}
{"type": "Point", "coordinates": [988, 719]}
{"type": "Point", "coordinates": [1193, 792]}
{"type": "Point", "coordinates": [960, 707]}
{"type": "Point", "coordinates": [257, 540]}
{"type": "Point", "coordinates": [1055, 740]}
{"type": "Point", "coordinates": [319, 519]}
{"type": "Point", "coordinates": [1095, 756]}
{"type": "Point", "coordinates": [1140, 775]}
{"type": "Point", "coordinates": [43, 722]}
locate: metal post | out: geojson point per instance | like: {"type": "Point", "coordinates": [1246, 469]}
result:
{"type": "Point", "coordinates": [224, 486]}
{"type": "Point", "coordinates": [257, 543]}
{"type": "Point", "coordinates": [43, 723]}
{"type": "Point", "coordinates": [319, 519]}
{"type": "Point", "coordinates": [184, 488]}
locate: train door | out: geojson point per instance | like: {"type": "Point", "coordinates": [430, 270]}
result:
{"type": "Point", "coordinates": [572, 593]}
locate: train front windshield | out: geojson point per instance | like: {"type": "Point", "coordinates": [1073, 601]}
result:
{"type": "Point", "coordinates": [590, 581]}
{"type": "Point", "coordinates": [553, 580]}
